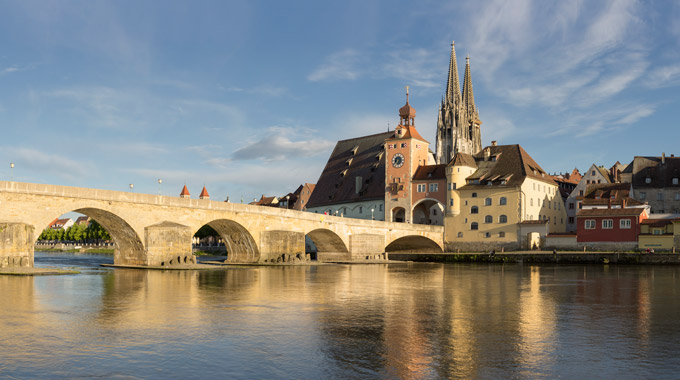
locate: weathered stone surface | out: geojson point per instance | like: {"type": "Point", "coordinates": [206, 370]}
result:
{"type": "Point", "coordinates": [16, 245]}
{"type": "Point", "coordinates": [251, 233]}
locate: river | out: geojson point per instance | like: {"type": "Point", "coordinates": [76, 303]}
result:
{"type": "Point", "coordinates": [397, 321]}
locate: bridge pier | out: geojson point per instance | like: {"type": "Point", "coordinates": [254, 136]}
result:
{"type": "Point", "coordinates": [284, 245]}
{"type": "Point", "coordinates": [168, 244]}
{"type": "Point", "coordinates": [367, 247]}
{"type": "Point", "coordinates": [16, 245]}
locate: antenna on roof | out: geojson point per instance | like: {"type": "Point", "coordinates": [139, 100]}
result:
{"type": "Point", "coordinates": [388, 127]}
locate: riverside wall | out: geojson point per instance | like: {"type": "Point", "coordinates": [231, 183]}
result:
{"type": "Point", "coordinates": [543, 258]}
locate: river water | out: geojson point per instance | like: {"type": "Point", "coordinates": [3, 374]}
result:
{"type": "Point", "coordinates": [400, 321]}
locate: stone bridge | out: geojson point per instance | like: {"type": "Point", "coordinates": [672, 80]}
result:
{"type": "Point", "coordinates": [156, 230]}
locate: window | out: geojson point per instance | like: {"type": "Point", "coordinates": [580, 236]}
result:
{"type": "Point", "coordinates": [361, 209]}
{"type": "Point", "coordinates": [580, 205]}
{"type": "Point", "coordinates": [501, 234]}
{"type": "Point", "coordinates": [403, 145]}
{"type": "Point", "coordinates": [381, 207]}
{"type": "Point", "coordinates": [434, 187]}
{"type": "Point", "coordinates": [643, 195]}
{"type": "Point", "coordinates": [657, 231]}
{"type": "Point", "coordinates": [675, 180]}
{"type": "Point", "coordinates": [434, 211]}
{"type": "Point", "coordinates": [451, 202]}
{"type": "Point", "coordinates": [503, 219]}
{"type": "Point", "coordinates": [503, 201]}
{"type": "Point", "coordinates": [571, 220]}
{"type": "Point", "coordinates": [590, 224]}
{"type": "Point", "coordinates": [474, 226]}
{"type": "Point", "coordinates": [580, 192]}
{"type": "Point", "coordinates": [659, 196]}
{"type": "Point", "coordinates": [488, 219]}
{"type": "Point", "coordinates": [531, 201]}
{"type": "Point", "coordinates": [487, 202]}
{"type": "Point", "coordinates": [474, 210]}
{"type": "Point", "coordinates": [607, 224]}
{"type": "Point", "coordinates": [571, 205]}
{"type": "Point", "coordinates": [648, 180]}
{"type": "Point", "coordinates": [474, 195]}
{"type": "Point", "coordinates": [677, 196]}
{"type": "Point", "coordinates": [421, 187]}
{"type": "Point", "coordinates": [460, 234]}
{"type": "Point", "coordinates": [487, 234]}
{"type": "Point", "coordinates": [592, 173]}
{"type": "Point", "coordinates": [624, 223]}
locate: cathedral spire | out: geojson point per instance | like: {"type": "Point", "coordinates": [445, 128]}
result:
{"type": "Point", "coordinates": [468, 96]}
{"type": "Point", "coordinates": [453, 83]}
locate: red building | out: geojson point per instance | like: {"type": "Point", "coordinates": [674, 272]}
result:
{"type": "Point", "coordinates": [609, 225]}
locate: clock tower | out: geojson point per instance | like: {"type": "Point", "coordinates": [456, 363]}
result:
{"type": "Point", "coordinates": [406, 151]}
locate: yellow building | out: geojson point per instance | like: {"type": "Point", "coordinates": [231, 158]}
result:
{"type": "Point", "coordinates": [500, 197]}
{"type": "Point", "coordinates": [659, 233]}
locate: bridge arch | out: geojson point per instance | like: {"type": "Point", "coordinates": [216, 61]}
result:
{"type": "Point", "coordinates": [413, 244]}
{"type": "Point", "coordinates": [329, 246]}
{"type": "Point", "coordinates": [428, 211]}
{"type": "Point", "coordinates": [240, 244]}
{"type": "Point", "coordinates": [129, 248]}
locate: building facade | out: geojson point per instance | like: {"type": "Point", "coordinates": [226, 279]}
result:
{"type": "Point", "coordinates": [656, 180]}
{"type": "Point", "coordinates": [458, 124]}
{"type": "Point", "coordinates": [594, 175]}
{"type": "Point", "coordinates": [500, 197]}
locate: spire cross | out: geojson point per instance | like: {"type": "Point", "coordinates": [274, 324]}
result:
{"type": "Point", "coordinates": [407, 94]}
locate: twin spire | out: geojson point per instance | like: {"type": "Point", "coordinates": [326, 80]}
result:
{"type": "Point", "coordinates": [458, 125]}
{"type": "Point", "coordinates": [453, 92]}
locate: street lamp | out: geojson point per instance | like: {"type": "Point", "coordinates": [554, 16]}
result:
{"type": "Point", "coordinates": [336, 212]}
{"type": "Point", "coordinates": [132, 186]}
{"type": "Point", "coordinates": [160, 181]}
{"type": "Point", "coordinates": [372, 218]}
{"type": "Point", "coordinates": [11, 169]}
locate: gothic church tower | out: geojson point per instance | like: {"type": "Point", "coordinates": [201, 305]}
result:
{"type": "Point", "coordinates": [458, 124]}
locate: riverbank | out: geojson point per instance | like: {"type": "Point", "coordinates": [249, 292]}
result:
{"type": "Point", "coordinates": [542, 257]}
{"type": "Point", "coordinates": [99, 251]}
{"type": "Point", "coordinates": [31, 271]}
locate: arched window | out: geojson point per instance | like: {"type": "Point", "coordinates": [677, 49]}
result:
{"type": "Point", "coordinates": [488, 219]}
{"type": "Point", "coordinates": [474, 226]}
{"type": "Point", "coordinates": [460, 234]}
{"type": "Point", "coordinates": [474, 195]}
{"type": "Point", "coordinates": [503, 201]}
{"type": "Point", "coordinates": [487, 202]}
{"type": "Point", "coordinates": [503, 219]}
{"type": "Point", "coordinates": [474, 210]}
{"type": "Point", "coordinates": [531, 201]}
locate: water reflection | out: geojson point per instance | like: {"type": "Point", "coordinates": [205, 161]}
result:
{"type": "Point", "coordinates": [370, 321]}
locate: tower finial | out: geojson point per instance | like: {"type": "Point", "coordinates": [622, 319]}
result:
{"type": "Point", "coordinates": [452, 82]}
{"type": "Point", "coordinates": [406, 93]}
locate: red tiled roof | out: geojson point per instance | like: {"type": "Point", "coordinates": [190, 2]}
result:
{"type": "Point", "coordinates": [204, 193]}
{"type": "Point", "coordinates": [185, 191]}
{"type": "Point", "coordinates": [430, 172]}
{"type": "Point", "coordinates": [610, 211]}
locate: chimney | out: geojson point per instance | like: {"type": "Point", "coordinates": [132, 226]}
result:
{"type": "Point", "coordinates": [487, 153]}
{"type": "Point", "coordinates": [609, 202]}
{"type": "Point", "coordinates": [494, 143]}
{"type": "Point", "coordinates": [663, 158]}
{"type": "Point", "coordinates": [623, 202]}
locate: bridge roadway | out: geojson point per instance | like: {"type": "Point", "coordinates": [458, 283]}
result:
{"type": "Point", "coordinates": [155, 230]}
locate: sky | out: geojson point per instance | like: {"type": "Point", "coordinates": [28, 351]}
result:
{"type": "Point", "coordinates": [250, 97]}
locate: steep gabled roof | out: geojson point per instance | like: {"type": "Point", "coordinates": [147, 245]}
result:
{"type": "Point", "coordinates": [337, 183]}
{"type": "Point", "coordinates": [204, 193]}
{"type": "Point", "coordinates": [660, 170]}
{"type": "Point", "coordinates": [509, 163]}
{"type": "Point", "coordinates": [463, 159]}
{"type": "Point", "coordinates": [430, 172]}
{"type": "Point", "coordinates": [185, 191]}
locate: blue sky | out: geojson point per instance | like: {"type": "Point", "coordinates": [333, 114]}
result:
{"type": "Point", "coordinates": [250, 97]}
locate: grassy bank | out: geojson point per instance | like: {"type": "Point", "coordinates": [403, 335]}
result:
{"type": "Point", "coordinates": [101, 251]}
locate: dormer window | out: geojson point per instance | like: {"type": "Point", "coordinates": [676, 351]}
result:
{"type": "Point", "coordinates": [648, 180]}
{"type": "Point", "coordinates": [355, 149]}
{"type": "Point", "coordinates": [675, 180]}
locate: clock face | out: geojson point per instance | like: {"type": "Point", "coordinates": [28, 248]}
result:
{"type": "Point", "coordinates": [398, 160]}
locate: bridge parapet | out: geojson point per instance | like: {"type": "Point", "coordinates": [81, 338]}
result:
{"type": "Point", "coordinates": [153, 229]}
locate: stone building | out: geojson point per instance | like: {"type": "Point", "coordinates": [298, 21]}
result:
{"type": "Point", "coordinates": [655, 180]}
{"type": "Point", "coordinates": [305, 191]}
{"type": "Point", "coordinates": [594, 175]}
{"type": "Point", "coordinates": [458, 124]}
{"type": "Point", "coordinates": [500, 197]}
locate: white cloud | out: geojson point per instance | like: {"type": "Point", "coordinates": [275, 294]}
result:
{"type": "Point", "coordinates": [52, 163]}
{"type": "Point", "coordinates": [277, 145]}
{"type": "Point", "coordinates": [343, 65]}
{"type": "Point", "coordinates": [664, 76]}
